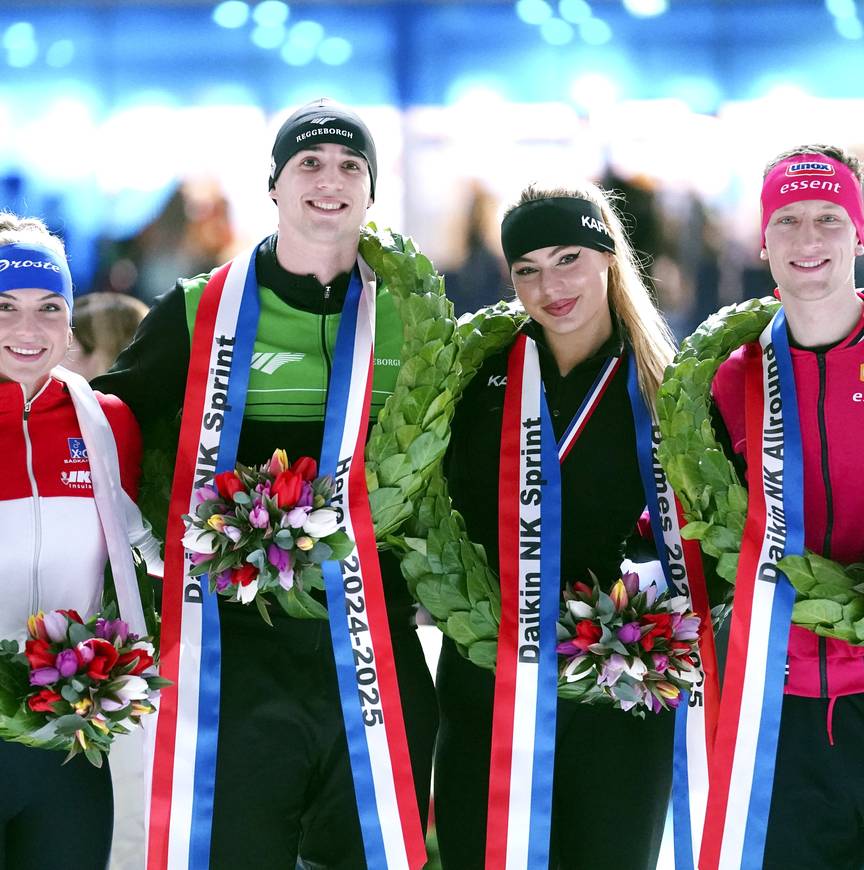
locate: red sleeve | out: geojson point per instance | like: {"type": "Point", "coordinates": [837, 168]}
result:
{"type": "Point", "coordinates": [127, 434]}
{"type": "Point", "coordinates": [728, 393]}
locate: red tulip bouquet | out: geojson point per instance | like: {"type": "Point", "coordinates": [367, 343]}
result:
{"type": "Point", "coordinates": [634, 650]}
{"type": "Point", "coordinates": [76, 685]}
{"type": "Point", "coordinates": [265, 531]}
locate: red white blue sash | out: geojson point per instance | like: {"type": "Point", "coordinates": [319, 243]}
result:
{"type": "Point", "coordinates": [187, 734]}
{"type": "Point", "coordinates": [526, 684]}
{"type": "Point", "coordinates": [583, 415]}
{"type": "Point", "coordinates": [746, 744]}
{"type": "Point", "coordinates": [513, 841]}
{"type": "Point", "coordinates": [371, 707]}
{"type": "Point", "coordinates": [184, 764]}
{"type": "Point", "coordinates": [696, 716]}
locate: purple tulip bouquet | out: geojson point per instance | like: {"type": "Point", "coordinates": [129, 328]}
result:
{"type": "Point", "coordinates": [76, 685]}
{"type": "Point", "coordinates": [634, 650]}
{"type": "Point", "coordinates": [260, 532]}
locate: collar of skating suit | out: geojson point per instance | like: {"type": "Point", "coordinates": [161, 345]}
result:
{"type": "Point", "coordinates": [305, 292]}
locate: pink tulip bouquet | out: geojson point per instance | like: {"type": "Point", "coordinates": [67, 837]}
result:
{"type": "Point", "coordinates": [634, 650]}
{"type": "Point", "coordinates": [76, 685]}
{"type": "Point", "coordinates": [265, 531]}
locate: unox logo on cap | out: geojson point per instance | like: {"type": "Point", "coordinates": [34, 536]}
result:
{"type": "Point", "coordinates": [810, 167]}
{"type": "Point", "coordinates": [77, 448]}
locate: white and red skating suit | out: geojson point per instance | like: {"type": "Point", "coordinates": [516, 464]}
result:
{"type": "Point", "coordinates": [52, 548]}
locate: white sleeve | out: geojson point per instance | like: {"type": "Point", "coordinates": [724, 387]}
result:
{"type": "Point", "coordinates": [141, 536]}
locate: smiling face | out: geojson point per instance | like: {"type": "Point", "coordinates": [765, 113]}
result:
{"type": "Point", "coordinates": [322, 194]}
{"type": "Point", "coordinates": [811, 248]}
{"type": "Point", "coordinates": [564, 288]}
{"type": "Point", "coordinates": [34, 336]}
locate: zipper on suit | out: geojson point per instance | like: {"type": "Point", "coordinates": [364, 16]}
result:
{"type": "Point", "coordinates": [324, 349]}
{"type": "Point", "coordinates": [37, 514]}
{"type": "Point", "coordinates": [829, 505]}
{"type": "Point", "coordinates": [823, 667]}
{"type": "Point", "coordinates": [826, 471]}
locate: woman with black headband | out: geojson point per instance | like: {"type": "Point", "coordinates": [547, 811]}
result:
{"type": "Point", "coordinates": [64, 505]}
{"type": "Point", "coordinates": [575, 274]}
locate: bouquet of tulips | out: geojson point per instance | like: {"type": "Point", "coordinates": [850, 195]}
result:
{"type": "Point", "coordinates": [76, 684]}
{"type": "Point", "coordinates": [266, 531]}
{"type": "Point", "coordinates": [634, 650]}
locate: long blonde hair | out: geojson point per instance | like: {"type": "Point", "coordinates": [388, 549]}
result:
{"type": "Point", "coordinates": [639, 320]}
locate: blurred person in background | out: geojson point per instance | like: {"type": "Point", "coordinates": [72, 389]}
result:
{"type": "Point", "coordinates": [575, 274]}
{"type": "Point", "coordinates": [283, 788]}
{"type": "Point", "coordinates": [104, 324]}
{"type": "Point", "coordinates": [477, 275]}
{"type": "Point", "coordinates": [55, 813]}
{"type": "Point", "coordinates": [191, 233]}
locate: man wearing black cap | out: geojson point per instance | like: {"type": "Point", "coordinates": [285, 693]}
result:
{"type": "Point", "coordinates": [283, 784]}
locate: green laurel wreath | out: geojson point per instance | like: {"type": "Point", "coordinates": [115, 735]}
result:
{"type": "Point", "coordinates": [714, 501]}
{"type": "Point", "coordinates": [446, 572]}
{"type": "Point", "coordinates": [412, 512]}
{"type": "Point", "coordinates": [412, 431]}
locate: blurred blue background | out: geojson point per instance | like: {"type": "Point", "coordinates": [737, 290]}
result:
{"type": "Point", "coordinates": [142, 131]}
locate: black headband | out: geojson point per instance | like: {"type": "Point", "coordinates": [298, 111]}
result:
{"type": "Point", "coordinates": [559, 220]}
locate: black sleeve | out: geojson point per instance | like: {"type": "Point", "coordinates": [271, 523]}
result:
{"type": "Point", "coordinates": [150, 375]}
{"type": "Point", "coordinates": [725, 442]}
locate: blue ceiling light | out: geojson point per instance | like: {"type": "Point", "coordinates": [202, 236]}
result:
{"type": "Point", "coordinates": [841, 8]}
{"type": "Point", "coordinates": [556, 32]}
{"type": "Point", "coordinates": [19, 35]}
{"type": "Point", "coordinates": [297, 55]}
{"type": "Point", "coordinates": [231, 14]}
{"type": "Point", "coordinates": [574, 11]}
{"type": "Point", "coordinates": [849, 28]}
{"type": "Point", "coordinates": [334, 51]}
{"type": "Point", "coordinates": [646, 8]}
{"type": "Point", "coordinates": [302, 43]}
{"type": "Point", "coordinates": [307, 33]}
{"type": "Point", "coordinates": [271, 13]}
{"type": "Point", "coordinates": [60, 53]}
{"type": "Point", "coordinates": [533, 11]}
{"type": "Point", "coordinates": [268, 37]}
{"type": "Point", "coordinates": [595, 31]}
{"type": "Point", "coordinates": [19, 40]}
{"type": "Point", "coordinates": [22, 56]}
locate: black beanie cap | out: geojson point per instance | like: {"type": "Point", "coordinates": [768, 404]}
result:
{"type": "Point", "coordinates": [318, 122]}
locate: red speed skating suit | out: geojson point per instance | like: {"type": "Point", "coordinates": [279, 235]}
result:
{"type": "Point", "coordinates": [830, 390]}
{"type": "Point", "coordinates": [54, 553]}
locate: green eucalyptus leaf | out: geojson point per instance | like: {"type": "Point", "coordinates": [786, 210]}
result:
{"type": "Point", "coordinates": [817, 612]}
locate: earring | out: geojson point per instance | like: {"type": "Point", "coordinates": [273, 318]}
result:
{"type": "Point", "coordinates": [859, 250]}
{"type": "Point", "coordinates": [763, 254]}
